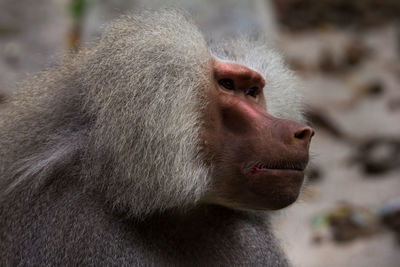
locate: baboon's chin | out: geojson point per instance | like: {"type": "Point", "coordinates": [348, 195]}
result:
{"type": "Point", "coordinates": [272, 189]}
{"type": "Point", "coordinates": [259, 189]}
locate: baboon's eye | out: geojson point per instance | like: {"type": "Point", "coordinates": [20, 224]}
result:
{"type": "Point", "coordinates": [227, 84]}
{"type": "Point", "coordinates": [253, 91]}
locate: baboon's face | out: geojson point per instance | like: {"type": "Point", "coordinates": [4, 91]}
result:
{"type": "Point", "coordinates": [258, 160]}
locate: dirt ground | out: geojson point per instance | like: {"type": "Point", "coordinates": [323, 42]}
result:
{"type": "Point", "coordinates": [341, 94]}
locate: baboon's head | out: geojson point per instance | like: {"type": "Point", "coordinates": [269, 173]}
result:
{"type": "Point", "coordinates": [178, 125]}
{"type": "Point", "coordinates": [156, 119]}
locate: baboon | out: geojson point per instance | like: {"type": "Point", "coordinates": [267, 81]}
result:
{"type": "Point", "coordinates": [150, 148]}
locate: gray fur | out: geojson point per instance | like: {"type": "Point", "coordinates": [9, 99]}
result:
{"type": "Point", "coordinates": [100, 161]}
{"type": "Point", "coordinates": [221, 19]}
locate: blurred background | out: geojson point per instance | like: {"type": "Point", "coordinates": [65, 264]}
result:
{"type": "Point", "coordinates": [347, 54]}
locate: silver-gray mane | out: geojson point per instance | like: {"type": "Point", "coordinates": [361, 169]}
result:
{"type": "Point", "coordinates": [125, 116]}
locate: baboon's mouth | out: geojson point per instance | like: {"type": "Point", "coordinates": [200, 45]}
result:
{"type": "Point", "coordinates": [285, 166]}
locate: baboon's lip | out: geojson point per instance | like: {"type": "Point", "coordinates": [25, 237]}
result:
{"type": "Point", "coordinates": [288, 166]}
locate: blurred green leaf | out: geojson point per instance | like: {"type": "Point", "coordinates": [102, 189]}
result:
{"type": "Point", "coordinates": [77, 8]}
